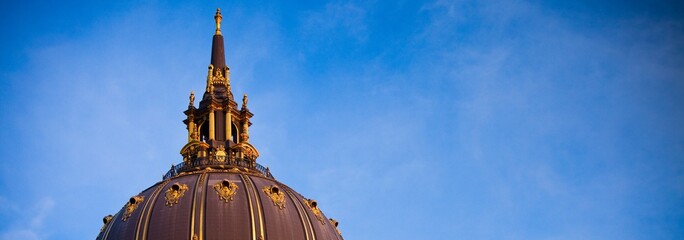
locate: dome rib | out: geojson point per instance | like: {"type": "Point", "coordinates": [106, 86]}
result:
{"type": "Point", "coordinates": [306, 223]}
{"type": "Point", "coordinates": [147, 211]}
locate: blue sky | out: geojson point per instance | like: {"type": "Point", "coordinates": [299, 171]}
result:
{"type": "Point", "coordinates": [503, 119]}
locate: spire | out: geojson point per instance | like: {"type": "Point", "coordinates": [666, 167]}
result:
{"type": "Point", "coordinates": [218, 57]}
{"type": "Point", "coordinates": [218, 132]}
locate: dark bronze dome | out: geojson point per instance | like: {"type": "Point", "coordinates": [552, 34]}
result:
{"type": "Point", "coordinates": [219, 191]}
{"type": "Point", "coordinates": [219, 204]}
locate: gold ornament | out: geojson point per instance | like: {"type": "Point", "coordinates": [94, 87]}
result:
{"type": "Point", "coordinates": [218, 18]}
{"type": "Point", "coordinates": [106, 220]}
{"type": "Point", "coordinates": [131, 206]}
{"type": "Point", "coordinates": [192, 98]}
{"type": "Point", "coordinates": [334, 222]}
{"type": "Point", "coordinates": [174, 193]}
{"type": "Point", "coordinates": [220, 153]}
{"type": "Point", "coordinates": [277, 196]}
{"type": "Point", "coordinates": [314, 208]}
{"type": "Point", "coordinates": [225, 190]}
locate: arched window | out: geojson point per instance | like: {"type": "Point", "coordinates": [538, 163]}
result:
{"type": "Point", "coordinates": [204, 131]}
{"type": "Point", "coordinates": [234, 132]}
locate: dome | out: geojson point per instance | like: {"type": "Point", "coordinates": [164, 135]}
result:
{"type": "Point", "coordinates": [219, 191]}
{"type": "Point", "coordinates": [219, 204]}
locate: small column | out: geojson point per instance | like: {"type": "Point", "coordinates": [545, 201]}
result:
{"type": "Point", "coordinates": [229, 129]}
{"type": "Point", "coordinates": [212, 126]}
{"type": "Point", "coordinates": [191, 129]}
{"type": "Point", "coordinates": [245, 131]}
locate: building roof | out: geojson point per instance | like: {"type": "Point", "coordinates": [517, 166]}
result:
{"type": "Point", "coordinates": [219, 204]}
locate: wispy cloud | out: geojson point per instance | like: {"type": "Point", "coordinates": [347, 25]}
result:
{"type": "Point", "coordinates": [347, 18]}
{"type": "Point", "coordinates": [27, 221]}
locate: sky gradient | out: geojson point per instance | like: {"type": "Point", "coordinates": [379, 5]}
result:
{"type": "Point", "coordinates": [506, 119]}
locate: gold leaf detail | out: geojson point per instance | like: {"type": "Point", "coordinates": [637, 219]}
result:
{"type": "Point", "coordinates": [174, 193]}
{"type": "Point", "coordinates": [225, 190]}
{"type": "Point", "coordinates": [131, 206]}
{"type": "Point", "coordinates": [106, 221]}
{"type": "Point", "coordinates": [314, 208]}
{"type": "Point", "coordinates": [334, 222]}
{"type": "Point", "coordinates": [277, 196]}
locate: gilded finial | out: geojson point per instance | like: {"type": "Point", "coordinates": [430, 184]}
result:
{"type": "Point", "coordinates": [192, 98]}
{"type": "Point", "coordinates": [244, 101]}
{"type": "Point", "coordinates": [218, 18]}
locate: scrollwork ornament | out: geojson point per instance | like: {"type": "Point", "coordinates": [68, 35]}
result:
{"type": "Point", "coordinates": [335, 223]}
{"type": "Point", "coordinates": [220, 153]}
{"type": "Point", "coordinates": [250, 153]}
{"type": "Point", "coordinates": [225, 190]}
{"type": "Point", "coordinates": [277, 196]}
{"type": "Point", "coordinates": [174, 193]}
{"type": "Point", "coordinates": [218, 78]}
{"type": "Point", "coordinates": [106, 221]}
{"type": "Point", "coordinates": [314, 208]}
{"type": "Point", "coordinates": [131, 206]}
